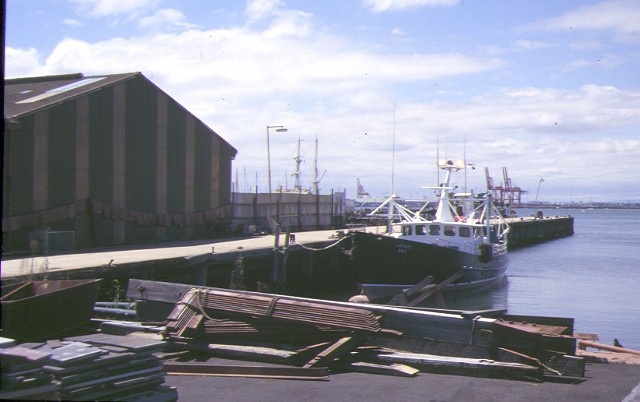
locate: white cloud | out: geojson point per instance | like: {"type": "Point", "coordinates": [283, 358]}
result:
{"type": "Point", "coordinates": [23, 63]}
{"type": "Point", "coordinates": [72, 22]}
{"type": "Point", "coordinates": [531, 45]}
{"type": "Point", "coordinates": [619, 16]}
{"type": "Point", "coordinates": [257, 10]}
{"type": "Point", "coordinates": [109, 8]}
{"type": "Point", "coordinates": [287, 71]}
{"type": "Point", "coordinates": [397, 31]}
{"type": "Point", "coordinates": [576, 64]}
{"type": "Point", "coordinates": [164, 18]}
{"type": "Point", "coordinates": [390, 5]}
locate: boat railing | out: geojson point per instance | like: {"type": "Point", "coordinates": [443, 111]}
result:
{"type": "Point", "coordinates": [500, 248]}
{"type": "Point", "coordinates": [467, 247]}
{"type": "Point", "coordinates": [472, 246]}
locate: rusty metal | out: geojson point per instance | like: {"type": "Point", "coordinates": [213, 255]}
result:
{"type": "Point", "coordinates": [40, 310]}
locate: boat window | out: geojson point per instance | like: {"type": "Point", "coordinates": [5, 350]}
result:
{"type": "Point", "coordinates": [449, 230]}
{"type": "Point", "coordinates": [434, 230]}
{"type": "Point", "coordinates": [420, 230]}
{"type": "Point", "coordinates": [406, 230]}
{"type": "Point", "coordinates": [464, 231]}
{"type": "Point", "coordinates": [477, 232]}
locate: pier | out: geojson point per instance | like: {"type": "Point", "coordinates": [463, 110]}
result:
{"type": "Point", "coordinates": [537, 229]}
{"type": "Point", "coordinates": [310, 264]}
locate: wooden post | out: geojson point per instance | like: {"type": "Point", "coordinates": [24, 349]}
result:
{"type": "Point", "coordinates": [276, 252]}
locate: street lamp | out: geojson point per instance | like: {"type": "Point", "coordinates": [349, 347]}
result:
{"type": "Point", "coordinates": [279, 129]}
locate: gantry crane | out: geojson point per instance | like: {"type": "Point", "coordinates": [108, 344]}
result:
{"type": "Point", "coordinates": [506, 193]}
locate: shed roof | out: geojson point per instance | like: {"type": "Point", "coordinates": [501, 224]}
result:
{"type": "Point", "coordinates": [27, 95]}
{"type": "Point", "coordinates": [23, 96]}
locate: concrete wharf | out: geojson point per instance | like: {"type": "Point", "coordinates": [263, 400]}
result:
{"type": "Point", "coordinates": [193, 256]}
{"type": "Point", "coordinates": [536, 229]}
{"type": "Point", "coordinates": [149, 256]}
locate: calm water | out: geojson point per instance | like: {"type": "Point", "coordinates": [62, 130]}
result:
{"type": "Point", "coordinates": [592, 276]}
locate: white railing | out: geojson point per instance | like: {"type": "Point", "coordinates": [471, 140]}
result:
{"type": "Point", "coordinates": [500, 248]}
{"type": "Point", "coordinates": [467, 247]}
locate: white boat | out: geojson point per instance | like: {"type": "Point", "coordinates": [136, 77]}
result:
{"type": "Point", "coordinates": [464, 233]}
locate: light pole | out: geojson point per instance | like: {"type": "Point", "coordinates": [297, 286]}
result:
{"type": "Point", "coordinates": [279, 129]}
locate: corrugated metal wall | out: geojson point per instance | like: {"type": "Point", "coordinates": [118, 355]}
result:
{"type": "Point", "coordinates": [295, 210]}
{"type": "Point", "coordinates": [120, 165]}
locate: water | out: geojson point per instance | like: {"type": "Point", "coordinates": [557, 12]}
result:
{"type": "Point", "coordinates": [592, 276]}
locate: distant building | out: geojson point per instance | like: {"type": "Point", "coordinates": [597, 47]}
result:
{"type": "Point", "coordinates": [106, 160]}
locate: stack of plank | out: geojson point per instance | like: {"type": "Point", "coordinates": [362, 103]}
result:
{"type": "Point", "coordinates": [108, 367]}
{"type": "Point", "coordinates": [91, 367]}
{"type": "Point", "coordinates": [218, 314]}
{"type": "Point", "coordinates": [22, 374]}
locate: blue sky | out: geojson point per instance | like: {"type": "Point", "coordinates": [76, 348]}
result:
{"type": "Point", "coordinates": [548, 89]}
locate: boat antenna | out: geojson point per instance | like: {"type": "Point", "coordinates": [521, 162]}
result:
{"type": "Point", "coordinates": [393, 153]}
{"type": "Point", "coordinates": [438, 157]}
{"type": "Point", "coordinates": [464, 158]}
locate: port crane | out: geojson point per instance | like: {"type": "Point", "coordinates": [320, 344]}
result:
{"type": "Point", "coordinates": [506, 193]}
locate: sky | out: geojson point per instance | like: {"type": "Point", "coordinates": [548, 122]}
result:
{"type": "Point", "coordinates": [549, 90]}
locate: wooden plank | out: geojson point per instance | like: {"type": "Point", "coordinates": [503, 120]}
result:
{"type": "Point", "coordinates": [41, 392]}
{"type": "Point", "coordinates": [131, 343]}
{"type": "Point", "coordinates": [337, 349]}
{"type": "Point", "coordinates": [465, 366]}
{"type": "Point", "coordinates": [511, 356]}
{"type": "Point", "coordinates": [21, 291]}
{"type": "Point", "coordinates": [586, 337]}
{"type": "Point", "coordinates": [421, 291]}
{"type": "Point", "coordinates": [543, 320]}
{"type": "Point", "coordinates": [542, 329]}
{"type": "Point", "coordinates": [609, 348]}
{"type": "Point", "coordinates": [254, 353]}
{"type": "Point", "coordinates": [393, 369]}
{"type": "Point", "coordinates": [422, 296]}
{"type": "Point", "coordinates": [156, 291]}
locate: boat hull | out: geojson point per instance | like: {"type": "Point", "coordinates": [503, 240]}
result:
{"type": "Point", "coordinates": [381, 259]}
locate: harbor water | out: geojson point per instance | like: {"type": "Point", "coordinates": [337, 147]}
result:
{"type": "Point", "coordinates": [592, 276]}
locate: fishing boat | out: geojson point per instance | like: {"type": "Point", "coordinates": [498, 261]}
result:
{"type": "Point", "coordinates": [40, 310]}
{"type": "Point", "coordinates": [463, 235]}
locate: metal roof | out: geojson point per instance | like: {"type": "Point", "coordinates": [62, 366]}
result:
{"type": "Point", "coordinates": [23, 96]}
{"type": "Point", "coordinates": [27, 95]}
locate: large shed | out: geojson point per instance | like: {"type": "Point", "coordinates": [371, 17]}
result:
{"type": "Point", "coordinates": [108, 160]}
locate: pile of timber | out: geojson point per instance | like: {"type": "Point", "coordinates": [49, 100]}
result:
{"type": "Point", "coordinates": [209, 310]}
{"type": "Point", "coordinates": [22, 374]}
{"type": "Point", "coordinates": [89, 367]}
{"type": "Point", "coordinates": [310, 334]}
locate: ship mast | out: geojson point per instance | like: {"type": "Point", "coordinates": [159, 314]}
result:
{"type": "Point", "coordinates": [298, 160]}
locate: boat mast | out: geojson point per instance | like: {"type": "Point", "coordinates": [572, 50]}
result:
{"type": "Point", "coordinates": [443, 213]}
{"type": "Point", "coordinates": [317, 180]}
{"type": "Point", "coordinates": [298, 160]}
{"type": "Point", "coordinates": [391, 205]}
{"type": "Point", "coordinates": [488, 208]}
{"type": "Point", "coordinates": [315, 167]}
